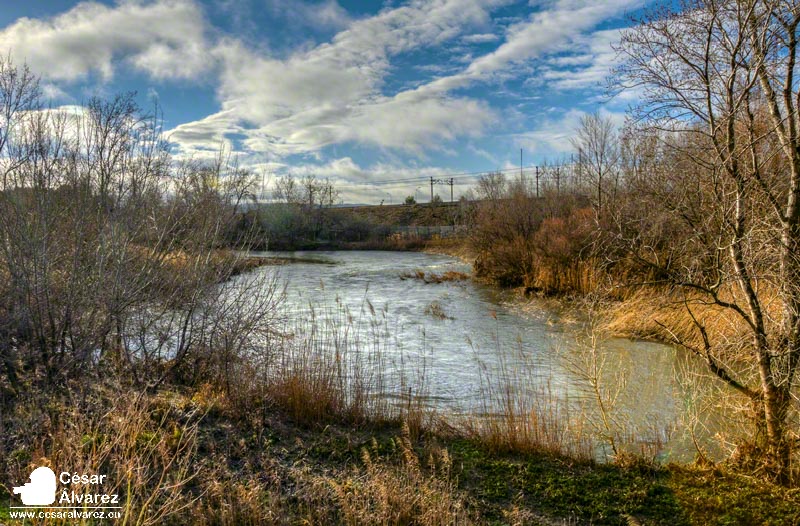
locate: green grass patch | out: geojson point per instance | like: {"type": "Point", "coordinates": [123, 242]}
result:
{"type": "Point", "coordinates": [609, 494]}
{"type": "Point", "coordinates": [713, 497]}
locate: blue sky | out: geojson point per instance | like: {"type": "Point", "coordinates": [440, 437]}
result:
{"type": "Point", "coordinates": [357, 91]}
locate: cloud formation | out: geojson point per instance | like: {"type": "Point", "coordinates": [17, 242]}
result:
{"type": "Point", "coordinates": [297, 105]}
{"type": "Point", "coordinates": [333, 93]}
{"type": "Point", "coordinates": [325, 15]}
{"type": "Point", "coordinates": [166, 39]}
{"type": "Point", "coordinates": [588, 65]}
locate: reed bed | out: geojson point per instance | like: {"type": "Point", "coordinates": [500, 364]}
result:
{"type": "Point", "coordinates": [335, 365]}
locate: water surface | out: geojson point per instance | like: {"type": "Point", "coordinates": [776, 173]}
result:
{"type": "Point", "coordinates": [454, 335]}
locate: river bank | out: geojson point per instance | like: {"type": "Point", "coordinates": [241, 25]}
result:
{"type": "Point", "coordinates": [287, 440]}
{"type": "Point", "coordinates": [645, 312]}
{"type": "Point", "coordinates": [242, 460]}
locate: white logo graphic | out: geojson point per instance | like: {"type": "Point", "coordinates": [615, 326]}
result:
{"type": "Point", "coordinates": [41, 490]}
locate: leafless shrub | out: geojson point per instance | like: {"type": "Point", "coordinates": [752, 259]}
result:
{"type": "Point", "coordinates": [111, 249]}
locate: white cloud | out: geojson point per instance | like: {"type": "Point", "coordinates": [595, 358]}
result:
{"type": "Point", "coordinates": [205, 136]}
{"type": "Point", "coordinates": [384, 122]}
{"type": "Point", "coordinates": [333, 93]}
{"type": "Point", "coordinates": [52, 92]}
{"type": "Point", "coordinates": [415, 121]}
{"type": "Point", "coordinates": [543, 32]}
{"type": "Point", "coordinates": [277, 103]}
{"type": "Point", "coordinates": [480, 38]}
{"type": "Point", "coordinates": [165, 38]}
{"type": "Point", "coordinates": [590, 67]}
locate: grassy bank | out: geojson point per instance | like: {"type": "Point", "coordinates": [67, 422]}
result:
{"type": "Point", "coordinates": [230, 463]}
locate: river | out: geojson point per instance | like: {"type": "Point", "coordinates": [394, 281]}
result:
{"type": "Point", "coordinates": [455, 335]}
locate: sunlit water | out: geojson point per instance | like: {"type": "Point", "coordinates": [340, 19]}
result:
{"type": "Point", "coordinates": [479, 332]}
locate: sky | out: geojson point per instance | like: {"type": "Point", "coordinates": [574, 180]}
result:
{"type": "Point", "coordinates": [360, 92]}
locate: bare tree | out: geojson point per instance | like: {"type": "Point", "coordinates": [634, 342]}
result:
{"type": "Point", "coordinates": [287, 190]}
{"type": "Point", "coordinates": [718, 78]}
{"type": "Point", "coordinates": [492, 186]}
{"type": "Point", "coordinates": [19, 94]}
{"type": "Point", "coordinates": [597, 144]}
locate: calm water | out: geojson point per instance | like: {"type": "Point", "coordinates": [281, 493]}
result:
{"type": "Point", "coordinates": [456, 334]}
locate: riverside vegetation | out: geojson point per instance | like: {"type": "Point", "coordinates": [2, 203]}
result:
{"type": "Point", "coordinates": [135, 344]}
{"type": "Point", "coordinates": [694, 218]}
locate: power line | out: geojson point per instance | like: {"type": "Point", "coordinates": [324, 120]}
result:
{"type": "Point", "coordinates": [459, 175]}
{"type": "Point", "coordinates": [544, 172]}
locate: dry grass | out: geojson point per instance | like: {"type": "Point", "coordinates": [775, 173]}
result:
{"type": "Point", "coordinates": [551, 277]}
{"type": "Point", "coordinates": [176, 459]}
{"type": "Point", "coordinates": [432, 277]}
{"type": "Point", "coordinates": [520, 414]}
{"type": "Point", "coordinates": [649, 310]}
{"type": "Point", "coordinates": [144, 445]}
{"type": "Point", "coordinates": [531, 422]}
{"type": "Point", "coordinates": [405, 489]}
{"type": "Point", "coordinates": [311, 389]}
{"type": "Point", "coordinates": [207, 458]}
{"type": "Point", "coordinates": [314, 384]}
{"type": "Point", "coordinates": [335, 367]}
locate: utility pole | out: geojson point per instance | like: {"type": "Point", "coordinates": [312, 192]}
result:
{"type": "Point", "coordinates": [520, 164]}
{"type": "Point", "coordinates": [451, 189]}
{"type": "Point", "coordinates": [558, 179]}
{"type": "Point", "coordinates": [537, 181]}
{"type": "Point", "coordinates": [431, 189]}
{"type": "Point", "coordinates": [572, 167]}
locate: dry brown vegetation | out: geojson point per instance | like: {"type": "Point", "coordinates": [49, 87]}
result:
{"type": "Point", "coordinates": [432, 277]}
{"type": "Point", "coordinates": [690, 216]}
{"type": "Point", "coordinates": [132, 345]}
{"type": "Point", "coordinates": [539, 243]}
{"type": "Point", "coordinates": [172, 459]}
